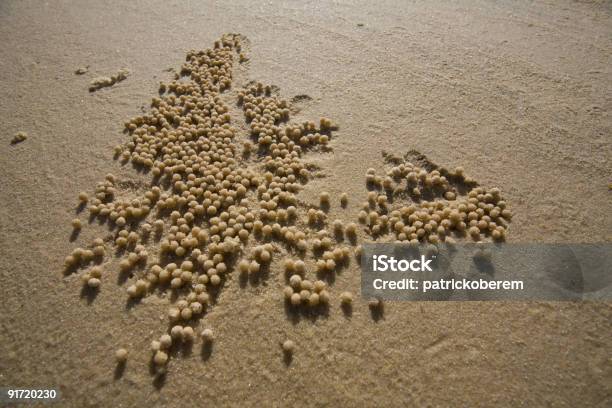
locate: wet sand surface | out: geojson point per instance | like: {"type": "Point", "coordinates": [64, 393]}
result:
{"type": "Point", "coordinates": [519, 95]}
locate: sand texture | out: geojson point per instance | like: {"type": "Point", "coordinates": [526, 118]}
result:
{"type": "Point", "coordinates": [517, 95]}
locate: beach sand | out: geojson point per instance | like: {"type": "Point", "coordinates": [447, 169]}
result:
{"type": "Point", "coordinates": [518, 95]}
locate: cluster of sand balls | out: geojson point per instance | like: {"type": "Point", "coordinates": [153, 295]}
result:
{"type": "Point", "coordinates": [219, 201]}
{"type": "Point", "coordinates": [92, 277]}
{"type": "Point", "coordinates": [282, 144]}
{"type": "Point", "coordinates": [81, 257]}
{"type": "Point", "coordinates": [103, 82]}
{"type": "Point", "coordinates": [331, 259]}
{"type": "Point", "coordinates": [301, 291]}
{"type": "Point", "coordinates": [438, 211]}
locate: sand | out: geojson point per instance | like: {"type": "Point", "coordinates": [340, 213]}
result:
{"type": "Point", "coordinates": [519, 95]}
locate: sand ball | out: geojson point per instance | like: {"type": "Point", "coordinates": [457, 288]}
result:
{"type": "Point", "coordinates": [288, 346]}
{"type": "Point", "coordinates": [296, 299]}
{"type": "Point", "coordinates": [207, 335]}
{"type": "Point", "coordinates": [324, 198]}
{"type": "Point", "coordinates": [346, 298]}
{"type": "Point", "coordinates": [121, 355]}
{"type": "Point", "coordinates": [160, 358]}
{"type": "Point", "coordinates": [93, 283]}
{"type": "Point", "coordinates": [188, 333]}
{"type": "Point", "coordinates": [343, 199]}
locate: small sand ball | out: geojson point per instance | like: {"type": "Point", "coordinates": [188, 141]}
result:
{"type": "Point", "coordinates": [351, 229]}
{"type": "Point", "coordinates": [324, 198]}
{"type": "Point", "coordinates": [346, 298]}
{"type": "Point", "coordinates": [362, 216]}
{"type": "Point", "coordinates": [474, 232]}
{"type": "Point", "coordinates": [188, 333]}
{"type": "Point", "coordinates": [289, 265]}
{"type": "Point", "coordinates": [83, 197]}
{"type": "Point", "coordinates": [343, 199]}
{"type": "Point", "coordinates": [304, 294]}
{"type": "Point", "coordinates": [337, 225]}
{"type": "Point", "coordinates": [375, 303]}
{"type": "Point", "coordinates": [254, 267]}
{"type": "Point", "coordinates": [313, 300]}
{"type": "Point", "coordinates": [176, 283]}
{"type": "Point", "coordinates": [319, 286]}
{"type": "Point", "coordinates": [174, 314]}
{"type": "Point", "coordinates": [187, 313]}
{"type": "Point", "coordinates": [176, 332]}
{"type": "Point", "coordinates": [496, 235]}
{"type": "Point", "coordinates": [306, 285]}
{"type": "Point", "coordinates": [165, 341]}
{"type": "Point", "coordinates": [295, 281]}
{"type": "Point", "coordinates": [146, 228]}
{"type": "Point", "coordinates": [265, 256]}
{"type": "Point", "coordinates": [243, 266]}
{"type": "Point", "coordinates": [76, 224]}
{"type": "Point", "coordinates": [95, 272]}
{"type": "Point", "coordinates": [288, 346]}
{"type": "Point", "coordinates": [215, 280]}
{"type": "Point", "coordinates": [207, 335]}
{"type": "Point", "coordinates": [296, 299]}
{"type": "Point", "coordinates": [93, 283]}
{"type": "Point", "coordinates": [132, 291]}
{"type": "Point", "coordinates": [160, 358]}
{"type": "Point", "coordinates": [121, 355]}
